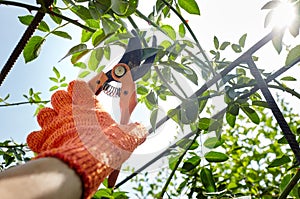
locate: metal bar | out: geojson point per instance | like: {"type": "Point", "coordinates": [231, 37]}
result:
{"type": "Point", "coordinates": [224, 72]}
{"type": "Point", "coordinates": [289, 136]}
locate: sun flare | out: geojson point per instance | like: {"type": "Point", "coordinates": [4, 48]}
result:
{"type": "Point", "coordinates": [284, 14]}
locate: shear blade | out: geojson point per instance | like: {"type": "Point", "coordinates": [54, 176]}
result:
{"type": "Point", "coordinates": [133, 54]}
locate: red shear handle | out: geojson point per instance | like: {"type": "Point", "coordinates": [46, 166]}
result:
{"type": "Point", "coordinates": [128, 101]}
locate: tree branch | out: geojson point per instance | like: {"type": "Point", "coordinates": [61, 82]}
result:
{"type": "Point", "coordinates": [13, 146]}
{"type": "Point", "coordinates": [291, 185]}
{"type": "Point", "coordinates": [22, 103]}
{"type": "Point", "coordinates": [48, 11]}
{"type": "Point", "coordinates": [176, 166]}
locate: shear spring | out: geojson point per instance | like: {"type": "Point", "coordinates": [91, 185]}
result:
{"type": "Point", "coordinates": [111, 90]}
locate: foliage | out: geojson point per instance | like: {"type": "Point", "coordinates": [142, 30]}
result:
{"type": "Point", "coordinates": [239, 151]}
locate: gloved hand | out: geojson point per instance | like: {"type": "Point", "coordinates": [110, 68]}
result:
{"type": "Point", "coordinates": [83, 135]}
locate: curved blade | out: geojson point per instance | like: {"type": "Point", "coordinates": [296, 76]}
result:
{"type": "Point", "coordinates": [140, 71]}
{"type": "Point", "coordinates": [133, 54]}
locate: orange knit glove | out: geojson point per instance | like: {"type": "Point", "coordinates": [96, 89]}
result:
{"type": "Point", "coordinates": [79, 132]}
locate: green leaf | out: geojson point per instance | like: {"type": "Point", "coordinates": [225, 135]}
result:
{"type": "Point", "coordinates": [103, 6]}
{"type": "Point", "coordinates": [260, 103]}
{"type": "Point", "coordinates": [81, 12]}
{"type": "Point", "coordinates": [109, 26]}
{"type": "Point", "coordinates": [172, 162]}
{"type": "Point", "coordinates": [216, 42]}
{"type": "Point", "coordinates": [151, 98]}
{"type": "Point", "coordinates": [43, 26]}
{"type": "Point", "coordinates": [124, 8]}
{"type": "Point", "coordinates": [26, 20]}
{"type": "Point", "coordinates": [32, 48]}
{"type": "Point", "coordinates": [169, 31]}
{"type": "Point", "coordinates": [100, 68]}
{"type": "Point", "coordinates": [208, 180]}
{"type": "Point", "coordinates": [30, 92]}
{"type": "Point", "coordinates": [233, 109]}
{"type": "Point", "coordinates": [148, 52]}
{"type": "Point", "coordinates": [107, 52]}
{"type": "Point", "coordinates": [181, 30]}
{"type": "Point", "coordinates": [251, 114]}
{"type": "Point", "coordinates": [53, 88]}
{"type": "Point", "coordinates": [295, 26]}
{"type": "Point", "coordinates": [230, 118]}
{"type": "Point", "coordinates": [282, 140]}
{"type": "Point", "coordinates": [80, 65]}
{"type": "Point", "coordinates": [76, 49]}
{"type": "Point", "coordinates": [153, 118]}
{"type": "Point", "coordinates": [64, 85]}
{"type": "Point", "coordinates": [53, 79]}
{"type": "Point", "coordinates": [85, 35]}
{"type": "Point", "coordinates": [284, 182]}
{"type": "Point", "coordinates": [236, 48]}
{"type": "Point", "coordinates": [56, 19]}
{"type": "Point", "coordinates": [189, 111]}
{"type": "Point", "coordinates": [203, 103]}
{"type": "Point", "coordinates": [277, 40]}
{"type": "Point", "coordinates": [280, 161]}
{"type": "Point", "coordinates": [190, 6]}
{"type": "Point", "coordinates": [293, 55]}
{"type": "Point", "coordinates": [224, 45]}
{"type": "Point", "coordinates": [56, 72]}
{"type": "Point", "coordinates": [84, 74]}
{"type": "Point", "coordinates": [165, 44]}
{"type": "Point", "coordinates": [213, 142]}
{"type": "Point", "coordinates": [191, 163]}
{"type": "Point", "coordinates": [213, 156]}
{"type": "Point", "coordinates": [75, 57]}
{"type": "Point", "coordinates": [185, 143]}
{"type": "Point", "coordinates": [242, 40]}
{"type": "Point", "coordinates": [93, 10]}
{"type": "Point", "coordinates": [204, 123]}
{"type": "Point", "coordinates": [288, 78]}
{"type": "Point", "coordinates": [103, 193]}
{"type": "Point", "coordinates": [95, 58]}
{"type": "Point", "coordinates": [62, 34]}
{"type": "Point", "coordinates": [174, 114]}
{"type": "Point", "coordinates": [98, 37]}
{"type": "Point", "coordinates": [141, 90]}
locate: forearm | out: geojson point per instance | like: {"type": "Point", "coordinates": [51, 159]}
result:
{"type": "Point", "coordinates": [41, 178]}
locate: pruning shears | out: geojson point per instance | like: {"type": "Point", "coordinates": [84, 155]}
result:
{"type": "Point", "coordinates": [127, 71]}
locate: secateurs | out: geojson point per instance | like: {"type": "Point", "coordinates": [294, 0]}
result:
{"type": "Point", "coordinates": [128, 70]}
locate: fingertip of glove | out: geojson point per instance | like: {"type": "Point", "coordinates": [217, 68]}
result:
{"type": "Point", "coordinates": [60, 99]}
{"type": "Point", "coordinates": [81, 92]}
{"type": "Point", "coordinates": [45, 116]}
{"type": "Point", "coordinates": [34, 140]}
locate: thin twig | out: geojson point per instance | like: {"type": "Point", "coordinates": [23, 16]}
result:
{"type": "Point", "coordinates": [291, 185]}
{"type": "Point", "coordinates": [13, 146]}
{"type": "Point", "coordinates": [22, 103]}
{"type": "Point", "coordinates": [286, 89]}
{"type": "Point", "coordinates": [35, 8]}
{"type": "Point", "coordinates": [164, 189]}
